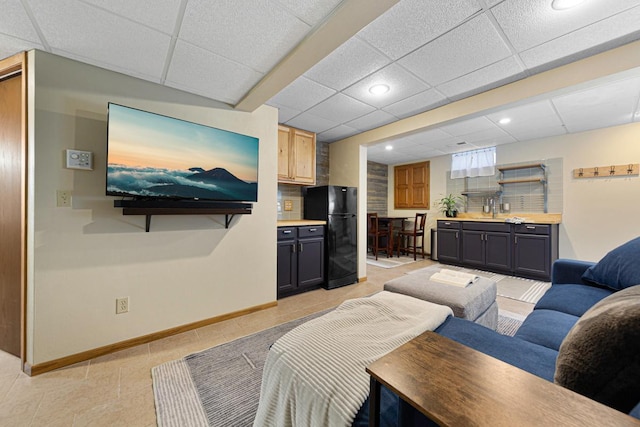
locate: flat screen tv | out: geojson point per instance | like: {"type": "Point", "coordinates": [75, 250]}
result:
{"type": "Point", "coordinates": [151, 156]}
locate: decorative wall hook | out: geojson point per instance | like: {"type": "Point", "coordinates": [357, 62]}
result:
{"type": "Point", "coordinates": [630, 169]}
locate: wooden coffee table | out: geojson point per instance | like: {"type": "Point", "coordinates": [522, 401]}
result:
{"type": "Point", "coordinates": [455, 385]}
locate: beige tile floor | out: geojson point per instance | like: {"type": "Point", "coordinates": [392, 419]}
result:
{"type": "Point", "coordinates": [116, 390]}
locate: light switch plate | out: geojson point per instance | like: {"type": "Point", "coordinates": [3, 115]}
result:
{"type": "Point", "coordinates": [77, 159]}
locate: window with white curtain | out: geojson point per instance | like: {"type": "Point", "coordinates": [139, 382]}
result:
{"type": "Point", "coordinates": [472, 163]}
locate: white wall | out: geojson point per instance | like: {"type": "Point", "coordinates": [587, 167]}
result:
{"type": "Point", "coordinates": [598, 214]}
{"type": "Point", "coordinates": [186, 269]}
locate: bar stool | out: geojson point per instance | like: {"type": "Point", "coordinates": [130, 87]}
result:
{"type": "Point", "coordinates": [375, 233]}
{"type": "Point", "coordinates": [408, 239]}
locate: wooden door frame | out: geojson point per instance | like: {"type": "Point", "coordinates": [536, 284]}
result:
{"type": "Point", "coordinates": [9, 66]}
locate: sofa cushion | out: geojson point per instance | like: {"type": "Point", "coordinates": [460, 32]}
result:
{"type": "Point", "coordinates": [546, 327]}
{"type": "Point", "coordinates": [535, 359]}
{"type": "Point", "coordinates": [572, 299]}
{"type": "Point", "coordinates": [600, 357]}
{"type": "Point", "coordinates": [619, 268]}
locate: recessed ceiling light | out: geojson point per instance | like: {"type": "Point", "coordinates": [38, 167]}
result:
{"type": "Point", "coordinates": [389, 147]}
{"type": "Point", "coordinates": [379, 89]}
{"type": "Point", "coordinates": [565, 4]}
{"type": "Point", "coordinates": [504, 121]}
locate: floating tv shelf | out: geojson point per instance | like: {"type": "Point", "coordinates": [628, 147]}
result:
{"type": "Point", "coordinates": [169, 207]}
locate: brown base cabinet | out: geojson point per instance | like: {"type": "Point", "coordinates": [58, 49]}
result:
{"type": "Point", "coordinates": [300, 259]}
{"type": "Point", "coordinates": [525, 250]}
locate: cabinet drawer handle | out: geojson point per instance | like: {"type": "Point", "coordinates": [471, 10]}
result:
{"type": "Point", "coordinates": [456, 234]}
{"type": "Point", "coordinates": [530, 227]}
{"type": "Point", "coordinates": [293, 248]}
{"type": "Point", "coordinates": [300, 247]}
{"type": "Point", "coordinates": [447, 223]}
{"type": "Point", "coordinates": [311, 230]}
{"type": "Point", "coordinates": [286, 232]}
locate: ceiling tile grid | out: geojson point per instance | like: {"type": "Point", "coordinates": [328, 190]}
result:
{"type": "Point", "coordinates": [257, 36]}
{"type": "Point", "coordinates": [194, 69]}
{"type": "Point", "coordinates": [164, 16]}
{"type": "Point", "coordinates": [412, 23]}
{"type": "Point", "coordinates": [469, 47]}
{"type": "Point", "coordinates": [620, 28]}
{"type": "Point", "coordinates": [15, 22]}
{"type": "Point", "coordinates": [533, 22]}
{"type": "Point", "coordinates": [430, 53]}
{"type": "Point", "coordinates": [356, 56]}
{"type": "Point", "coordinates": [404, 85]}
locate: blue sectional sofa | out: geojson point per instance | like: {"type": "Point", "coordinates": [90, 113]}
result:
{"type": "Point", "coordinates": [599, 358]}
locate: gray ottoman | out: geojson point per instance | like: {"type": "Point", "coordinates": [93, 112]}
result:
{"type": "Point", "coordinates": [476, 302]}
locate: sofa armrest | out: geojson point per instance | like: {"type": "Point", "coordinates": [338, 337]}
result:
{"type": "Point", "coordinates": [569, 271]}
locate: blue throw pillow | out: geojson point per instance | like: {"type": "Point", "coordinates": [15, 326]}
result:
{"type": "Point", "coordinates": [619, 269]}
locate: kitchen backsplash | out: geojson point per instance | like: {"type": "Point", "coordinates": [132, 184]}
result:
{"type": "Point", "coordinates": [522, 197]}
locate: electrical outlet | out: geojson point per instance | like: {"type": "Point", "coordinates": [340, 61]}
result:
{"type": "Point", "coordinates": [288, 205]}
{"type": "Point", "coordinates": [63, 198]}
{"type": "Point", "coordinates": [122, 305]}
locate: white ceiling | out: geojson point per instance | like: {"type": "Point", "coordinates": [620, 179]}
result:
{"type": "Point", "coordinates": [430, 53]}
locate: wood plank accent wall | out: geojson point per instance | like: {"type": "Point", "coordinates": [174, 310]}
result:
{"type": "Point", "coordinates": [377, 188]}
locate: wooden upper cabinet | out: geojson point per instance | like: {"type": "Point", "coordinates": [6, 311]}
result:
{"type": "Point", "coordinates": [411, 190]}
{"type": "Point", "coordinates": [296, 156]}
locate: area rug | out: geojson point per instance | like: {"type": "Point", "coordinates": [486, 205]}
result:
{"type": "Point", "coordinates": [220, 386]}
{"type": "Point", "coordinates": [517, 288]}
{"type": "Point", "coordinates": [390, 262]}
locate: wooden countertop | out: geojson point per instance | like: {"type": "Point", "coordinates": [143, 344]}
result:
{"type": "Point", "coordinates": [529, 218]}
{"type": "Point", "coordinates": [300, 222]}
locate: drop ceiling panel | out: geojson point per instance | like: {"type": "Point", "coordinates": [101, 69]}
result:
{"type": "Point", "coordinates": [609, 105]}
{"type": "Point", "coordinates": [196, 70]}
{"type": "Point", "coordinates": [312, 123]}
{"type": "Point", "coordinates": [302, 94]}
{"type": "Point", "coordinates": [341, 108]}
{"type": "Point", "coordinates": [402, 84]}
{"type": "Point", "coordinates": [527, 117]}
{"type": "Point", "coordinates": [101, 37]}
{"type": "Point", "coordinates": [492, 75]}
{"type": "Point", "coordinates": [469, 126]}
{"type": "Point", "coordinates": [469, 47]}
{"type": "Point", "coordinates": [338, 132]}
{"type": "Point", "coordinates": [258, 36]}
{"type": "Point", "coordinates": [372, 120]}
{"type": "Point", "coordinates": [285, 113]}
{"type": "Point", "coordinates": [15, 21]}
{"type": "Point", "coordinates": [543, 131]}
{"type": "Point", "coordinates": [310, 11]}
{"type": "Point", "coordinates": [533, 22]}
{"type": "Point", "coordinates": [356, 56]}
{"type": "Point", "coordinates": [412, 23]}
{"type": "Point", "coordinates": [622, 27]}
{"type": "Point", "coordinates": [415, 104]}
{"type": "Point", "coordinates": [10, 45]}
{"type": "Point", "coordinates": [161, 15]}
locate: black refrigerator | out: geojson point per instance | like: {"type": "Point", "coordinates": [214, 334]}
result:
{"type": "Point", "coordinates": [338, 206]}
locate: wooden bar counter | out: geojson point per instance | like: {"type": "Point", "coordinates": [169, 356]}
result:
{"type": "Point", "coordinates": [455, 385]}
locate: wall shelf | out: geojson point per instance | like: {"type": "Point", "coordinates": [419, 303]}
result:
{"type": "Point", "coordinates": [148, 208]}
{"type": "Point", "coordinates": [535, 179]}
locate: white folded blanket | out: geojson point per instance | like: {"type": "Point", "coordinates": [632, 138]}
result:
{"type": "Point", "coordinates": [315, 374]}
{"type": "Point", "coordinates": [455, 278]}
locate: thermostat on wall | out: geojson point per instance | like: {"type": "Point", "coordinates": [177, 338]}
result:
{"type": "Point", "coordinates": [77, 159]}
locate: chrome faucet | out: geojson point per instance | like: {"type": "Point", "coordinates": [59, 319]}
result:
{"type": "Point", "coordinates": [492, 204]}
